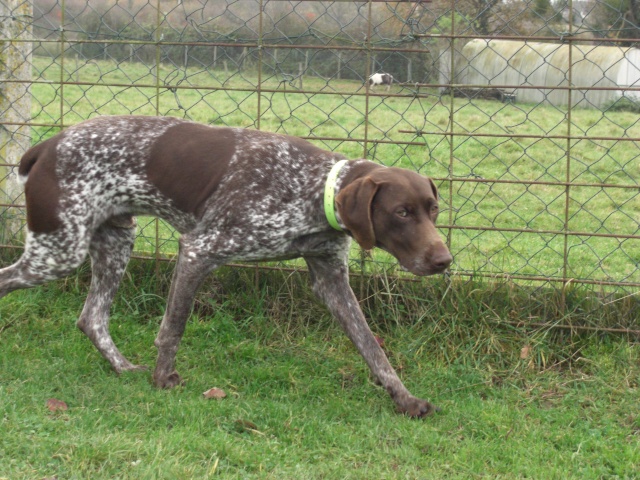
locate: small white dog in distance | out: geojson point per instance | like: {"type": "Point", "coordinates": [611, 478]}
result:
{"type": "Point", "coordinates": [380, 79]}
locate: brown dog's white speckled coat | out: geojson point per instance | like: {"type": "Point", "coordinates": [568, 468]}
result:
{"type": "Point", "coordinates": [234, 195]}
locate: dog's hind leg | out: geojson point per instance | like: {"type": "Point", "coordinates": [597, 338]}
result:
{"type": "Point", "coordinates": [17, 276]}
{"type": "Point", "coordinates": [12, 278]}
{"type": "Point", "coordinates": [46, 257]}
{"type": "Point", "coordinates": [110, 250]}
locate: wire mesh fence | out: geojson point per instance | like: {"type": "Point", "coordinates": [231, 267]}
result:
{"type": "Point", "coordinates": [525, 113]}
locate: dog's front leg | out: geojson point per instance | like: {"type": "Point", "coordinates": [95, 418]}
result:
{"type": "Point", "coordinates": [191, 270]}
{"type": "Point", "coordinates": [331, 284]}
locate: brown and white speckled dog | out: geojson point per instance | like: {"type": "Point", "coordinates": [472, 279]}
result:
{"type": "Point", "coordinates": [234, 195]}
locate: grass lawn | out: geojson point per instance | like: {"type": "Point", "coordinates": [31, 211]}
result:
{"type": "Point", "coordinates": [516, 402]}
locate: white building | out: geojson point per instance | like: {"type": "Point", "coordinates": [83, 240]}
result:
{"type": "Point", "coordinates": [512, 64]}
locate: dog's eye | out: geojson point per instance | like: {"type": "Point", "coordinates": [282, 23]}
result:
{"type": "Point", "coordinates": [434, 209]}
{"type": "Point", "coordinates": [402, 213]}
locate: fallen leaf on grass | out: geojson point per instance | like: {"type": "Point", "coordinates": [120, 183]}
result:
{"type": "Point", "coordinates": [380, 341]}
{"type": "Point", "coordinates": [217, 393]}
{"type": "Point", "coordinates": [525, 352]}
{"type": "Point", "coordinates": [55, 405]}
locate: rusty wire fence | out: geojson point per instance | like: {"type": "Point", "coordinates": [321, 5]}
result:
{"type": "Point", "coordinates": [525, 113]}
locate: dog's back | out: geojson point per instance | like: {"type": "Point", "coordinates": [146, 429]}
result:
{"type": "Point", "coordinates": [162, 166]}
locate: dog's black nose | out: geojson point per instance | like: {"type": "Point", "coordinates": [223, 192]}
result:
{"type": "Point", "coordinates": [441, 260]}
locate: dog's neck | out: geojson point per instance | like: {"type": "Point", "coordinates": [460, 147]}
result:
{"type": "Point", "coordinates": [342, 174]}
{"type": "Point", "coordinates": [330, 194]}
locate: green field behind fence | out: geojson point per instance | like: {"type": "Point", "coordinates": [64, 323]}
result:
{"type": "Point", "coordinates": [454, 151]}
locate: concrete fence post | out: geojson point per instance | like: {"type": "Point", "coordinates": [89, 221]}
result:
{"type": "Point", "coordinates": [15, 110]}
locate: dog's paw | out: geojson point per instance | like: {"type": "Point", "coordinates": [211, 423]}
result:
{"type": "Point", "coordinates": [415, 408]}
{"type": "Point", "coordinates": [167, 381]}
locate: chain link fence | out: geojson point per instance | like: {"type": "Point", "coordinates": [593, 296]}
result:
{"type": "Point", "coordinates": [525, 113]}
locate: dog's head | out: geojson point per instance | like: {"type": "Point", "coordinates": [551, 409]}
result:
{"type": "Point", "coordinates": [396, 210]}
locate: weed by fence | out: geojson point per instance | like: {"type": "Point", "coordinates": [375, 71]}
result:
{"type": "Point", "coordinates": [538, 191]}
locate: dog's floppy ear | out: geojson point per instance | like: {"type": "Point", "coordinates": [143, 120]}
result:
{"type": "Point", "coordinates": [354, 206]}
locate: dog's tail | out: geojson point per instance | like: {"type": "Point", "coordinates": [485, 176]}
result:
{"type": "Point", "coordinates": [29, 159]}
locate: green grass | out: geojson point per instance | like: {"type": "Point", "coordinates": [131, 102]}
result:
{"type": "Point", "coordinates": [334, 112]}
{"type": "Point", "coordinates": [300, 401]}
